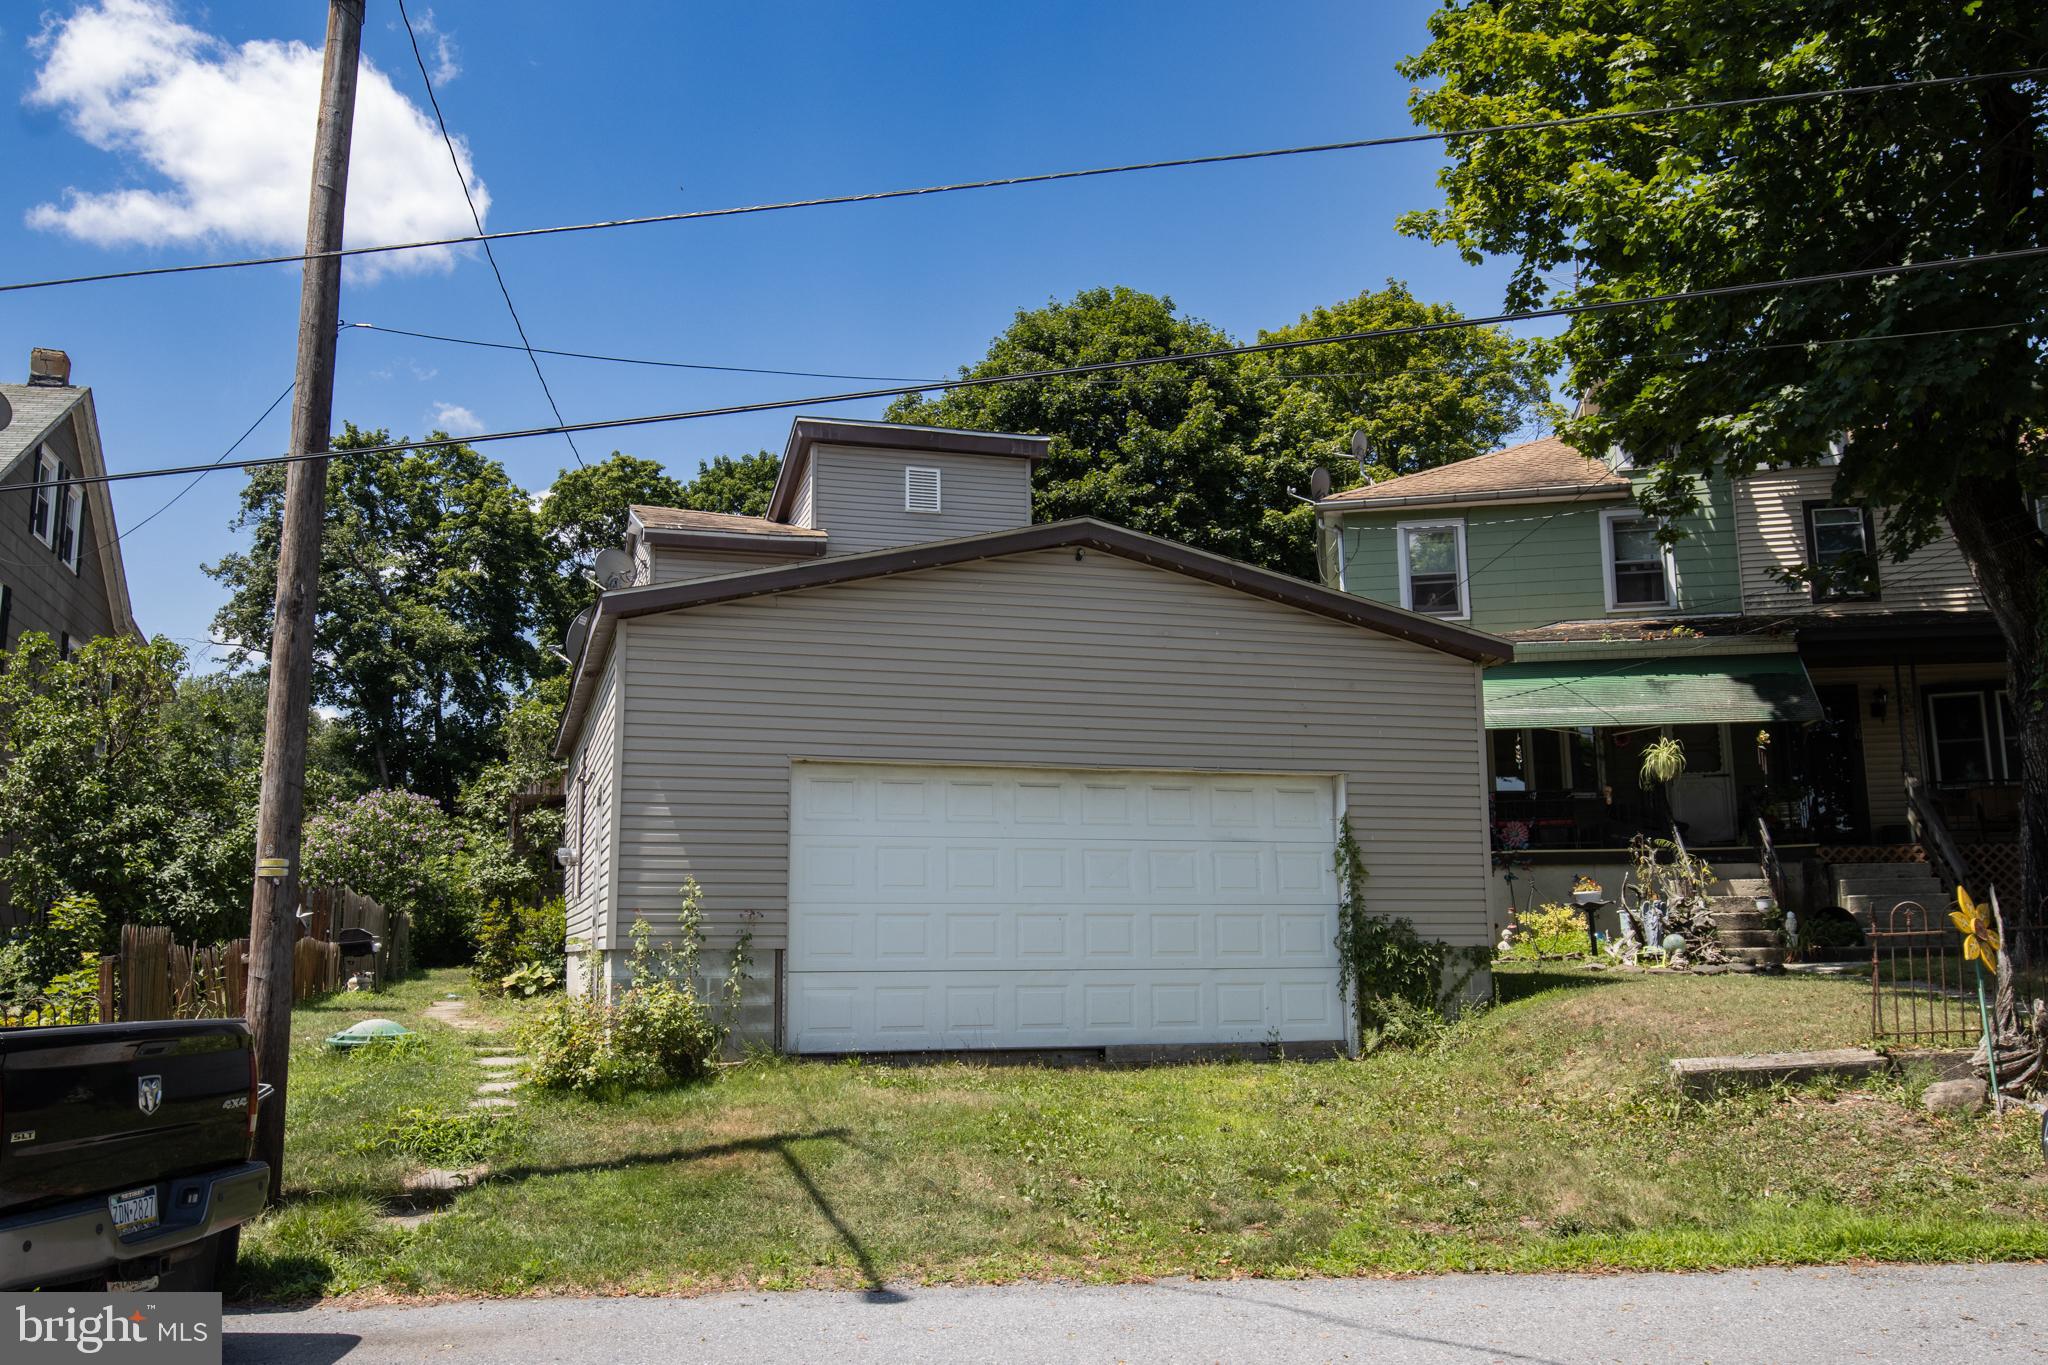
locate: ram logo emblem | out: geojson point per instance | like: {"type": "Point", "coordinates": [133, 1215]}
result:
{"type": "Point", "coordinates": [149, 1093]}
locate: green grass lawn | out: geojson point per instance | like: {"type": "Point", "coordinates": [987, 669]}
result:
{"type": "Point", "coordinates": [1539, 1136]}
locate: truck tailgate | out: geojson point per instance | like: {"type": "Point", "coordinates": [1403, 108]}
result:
{"type": "Point", "coordinates": [93, 1109]}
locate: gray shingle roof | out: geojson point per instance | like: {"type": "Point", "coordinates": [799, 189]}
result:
{"type": "Point", "coordinates": [1533, 466]}
{"type": "Point", "coordinates": [27, 412]}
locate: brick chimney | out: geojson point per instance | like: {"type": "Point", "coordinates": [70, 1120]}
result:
{"type": "Point", "coordinates": [49, 369]}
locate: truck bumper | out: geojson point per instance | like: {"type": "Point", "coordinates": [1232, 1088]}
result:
{"type": "Point", "coordinates": [77, 1240]}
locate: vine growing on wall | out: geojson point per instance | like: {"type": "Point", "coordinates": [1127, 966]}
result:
{"type": "Point", "coordinates": [1389, 971]}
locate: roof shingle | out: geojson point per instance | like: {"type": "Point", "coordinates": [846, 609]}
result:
{"type": "Point", "coordinates": [1534, 466]}
{"type": "Point", "coordinates": [726, 523]}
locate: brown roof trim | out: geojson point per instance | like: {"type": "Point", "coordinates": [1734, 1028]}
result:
{"type": "Point", "coordinates": [738, 542]}
{"type": "Point", "coordinates": [807, 432]}
{"type": "Point", "coordinates": [1081, 533]}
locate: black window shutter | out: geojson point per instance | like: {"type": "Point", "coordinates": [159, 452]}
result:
{"type": "Point", "coordinates": [6, 611]}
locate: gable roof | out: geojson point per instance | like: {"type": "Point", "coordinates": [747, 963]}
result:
{"type": "Point", "coordinates": [806, 432]}
{"type": "Point", "coordinates": [28, 414]}
{"type": "Point", "coordinates": [1079, 533]}
{"type": "Point", "coordinates": [1534, 469]}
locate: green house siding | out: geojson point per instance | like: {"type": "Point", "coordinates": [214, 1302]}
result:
{"type": "Point", "coordinates": [1535, 564]}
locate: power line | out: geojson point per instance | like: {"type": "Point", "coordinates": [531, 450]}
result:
{"type": "Point", "coordinates": [462, 179]}
{"type": "Point", "coordinates": [1048, 177]}
{"type": "Point", "coordinates": [628, 359]}
{"type": "Point", "coordinates": [1142, 362]}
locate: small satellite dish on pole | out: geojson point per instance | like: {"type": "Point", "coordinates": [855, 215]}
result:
{"type": "Point", "coordinates": [614, 569]}
{"type": "Point", "coordinates": [1319, 483]}
{"type": "Point", "coordinates": [579, 631]}
{"type": "Point", "coordinates": [1361, 449]}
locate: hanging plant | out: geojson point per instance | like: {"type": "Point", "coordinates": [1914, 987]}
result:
{"type": "Point", "coordinates": [1663, 760]}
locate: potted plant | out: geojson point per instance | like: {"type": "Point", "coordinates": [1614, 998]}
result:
{"type": "Point", "coordinates": [1586, 891]}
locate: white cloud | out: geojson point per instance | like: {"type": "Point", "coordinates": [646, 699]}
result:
{"type": "Point", "coordinates": [439, 46]}
{"type": "Point", "coordinates": [230, 132]}
{"type": "Point", "coordinates": [456, 420]}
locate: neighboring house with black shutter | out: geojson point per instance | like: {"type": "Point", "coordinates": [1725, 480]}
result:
{"type": "Point", "coordinates": [60, 555]}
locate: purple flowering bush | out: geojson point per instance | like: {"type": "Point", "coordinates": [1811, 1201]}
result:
{"type": "Point", "coordinates": [402, 850]}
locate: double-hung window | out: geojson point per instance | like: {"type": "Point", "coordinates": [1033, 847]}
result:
{"type": "Point", "coordinates": [1972, 736]}
{"type": "Point", "coordinates": [42, 510]}
{"type": "Point", "coordinates": [1838, 547]}
{"type": "Point", "coordinates": [1638, 565]}
{"type": "Point", "coordinates": [1433, 568]}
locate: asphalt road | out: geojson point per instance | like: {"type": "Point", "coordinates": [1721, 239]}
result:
{"type": "Point", "coordinates": [1928, 1313]}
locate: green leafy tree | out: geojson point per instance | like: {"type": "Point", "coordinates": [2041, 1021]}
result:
{"type": "Point", "coordinates": [497, 870]}
{"type": "Point", "coordinates": [114, 790]}
{"type": "Point", "coordinates": [735, 484]}
{"type": "Point", "coordinates": [1421, 400]}
{"type": "Point", "coordinates": [1944, 415]}
{"type": "Point", "coordinates": [1213, 453]}
{"type": "Point", "coordinates": [1200, 453]}
{"type": "Point", "coordinates": [434, 575]}
{"type": "Point", "coordinates": [401, 850]}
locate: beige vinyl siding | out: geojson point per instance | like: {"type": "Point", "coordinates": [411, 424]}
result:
{"type": "Point", "coordinates": [672, 564]}
{"type": "Point", "coordinates": [1045, 660]}
{"type": "Point", "coordinates": [1884, 769]}
{"type": "Point", "coordinates": [1770, 528]}
{"type": "Point", "coordinates": [803, 510]}
{"type": "Point", "coordinates": [592, 814]}
{"type": "Point", "coordinates": [859, 496]}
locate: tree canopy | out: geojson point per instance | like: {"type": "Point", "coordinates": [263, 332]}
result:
{"type": "Point", "coordinates": [1214, 453]}
{"type": "Point", "coordinates": [1934, 376]}
{"type": "Point", "coordinates": [434, 576]}
{"type": "Point", "coordinates": [737, 484]}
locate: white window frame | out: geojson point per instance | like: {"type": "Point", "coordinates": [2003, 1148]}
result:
{"type": "Point", "coordinates": [43, 516]}
{"type": "Point", "coordinates": [1456, 525]}
{"type": "Point", "coordinates": [1994, 746]}
{"type": "Point", "coordinates": [1608, 519]}
{"type": "Point", "coordinates": [938, 490]}
{"type": "Point", "coordinates": [74, 525]}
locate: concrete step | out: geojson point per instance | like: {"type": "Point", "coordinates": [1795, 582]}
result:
{"type": "Point", "coordinates": [1748, 938]}
{"type": "Point", "coordinates": [1756, 956]}
{"type": "Point", "coordinates": [1881, 907]}
{"type": "Point", "coordinates": [1738, 919]}
{"type": "Point", "coordinates": [1727, 870]}
{"type": "Point", "coordinates": [1750, 887]}
{"type": "Point", "coordinates": [1704, 1077]}
{"type": "Point", "coordinates": [1880, 869]}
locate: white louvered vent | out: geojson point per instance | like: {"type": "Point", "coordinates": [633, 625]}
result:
{"type": "Point", "coordinates": [920, 490]}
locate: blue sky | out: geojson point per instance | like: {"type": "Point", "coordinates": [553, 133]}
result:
{"type": "Point", "coordinates": [661, 107]}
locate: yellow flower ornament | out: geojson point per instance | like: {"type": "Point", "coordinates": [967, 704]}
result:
{"type": "Point", "coordinates": [1980, 940]}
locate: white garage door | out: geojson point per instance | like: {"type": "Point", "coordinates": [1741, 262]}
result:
{"type": "Point", "coordinates": [1020, 907]}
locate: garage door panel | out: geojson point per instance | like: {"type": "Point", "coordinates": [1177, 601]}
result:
{"type": "Point", "coordinates": [937, 939]}
{"type": "Point", "coordinates": [1005, 907]}
{"type": "Point", "coordinates": [920, 1011]}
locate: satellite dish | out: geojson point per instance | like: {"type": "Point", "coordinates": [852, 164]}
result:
{"type": "Point", "coordinates": [614, 569]}
{"type": "Point", "coordinates": [1361, 449]}
{"type": "Point", "coordinates": [6, 413]}
{"type": "Point", "coordinates": [579, 631]}
{"type": "Point", "coordinates": [1319, 483]}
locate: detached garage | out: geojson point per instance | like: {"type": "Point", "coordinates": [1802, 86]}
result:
{"type": "Point", "coordinates": [976, 784]}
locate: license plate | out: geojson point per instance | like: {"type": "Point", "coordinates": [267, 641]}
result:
{"type": "Point", "coordinates": [133, 1210]}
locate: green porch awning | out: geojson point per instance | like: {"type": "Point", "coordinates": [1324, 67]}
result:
{"type": "Point", "coordinates": [1685, 690]}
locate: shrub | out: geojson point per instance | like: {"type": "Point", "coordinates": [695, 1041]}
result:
{"type": "Point", "coordinates": [400, 850]}
{"type": "Point", "coordinates": [656, 1031]}
{"type": "Point", "coordinates": [1549, 931]}
{"type": "Point", "coordinates": [530, 944]}
{"type": "Point", "coordinates": [1381, 959]}
{"type": "Point", "coordinates": [530, 979]}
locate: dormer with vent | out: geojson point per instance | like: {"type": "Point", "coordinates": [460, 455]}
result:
{"type": "Point", "coordinates": [881, 485]}
{"type": "Point", "coordinates": [846, 487]}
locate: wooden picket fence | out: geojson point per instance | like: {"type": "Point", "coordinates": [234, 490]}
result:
{"type": "Point", "coordinates": [152, 976]}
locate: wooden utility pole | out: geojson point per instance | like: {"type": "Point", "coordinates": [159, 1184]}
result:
{"type": "Point", "coordinates": [281, 819]}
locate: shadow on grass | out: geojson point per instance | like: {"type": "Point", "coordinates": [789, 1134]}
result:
{"type": "Point", "coordinates": [1521, 983]}
{"type": "Point", "coordinates": [780, 1145]}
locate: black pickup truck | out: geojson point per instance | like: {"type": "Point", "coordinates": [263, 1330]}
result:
{"type": "Point", "coordinates": [124, 1154]}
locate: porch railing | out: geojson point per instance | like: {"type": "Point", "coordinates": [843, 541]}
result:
{"type": "Point", "coordinates": [1932, 832]}
{"type": "Point", "coordinates": [1767, 859]}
